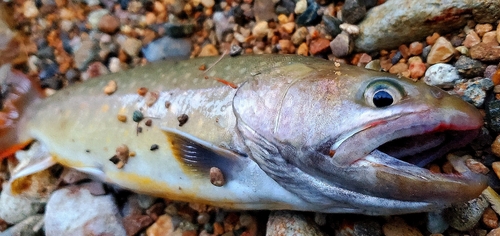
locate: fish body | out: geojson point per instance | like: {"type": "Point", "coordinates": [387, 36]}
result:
{"type": "Point", "coordinates": [284, 132]}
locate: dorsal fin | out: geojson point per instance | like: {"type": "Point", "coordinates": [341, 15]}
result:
{"type": "Point", "coordinates": [198, 156]}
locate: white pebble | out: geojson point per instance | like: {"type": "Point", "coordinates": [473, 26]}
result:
{"type": "Point", "coordinates": [300, 7]}
{"type": "Point", "coordinates": [441, 75]}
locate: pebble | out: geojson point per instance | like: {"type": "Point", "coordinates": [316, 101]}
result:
{"type": "Point", "coordinates": [490, 38]}
{"type": "Point", "coordinates": [463, 50]}
{"type": "Point", "coordinates": [208, 50]}
{"type": "Point", "coordinates": [167, 48]}
{"type": "Point", "coordinates": [493, 115]}
{"type": "Point", "coordinates": [495, 146]}
{"type": "Point", "coordinates": [482, 29]}
{"type": "Point", "coordinates": [222, 24]}
{"type": "Point", "coordinates": [290, 223]}
{"type": "Point", "coordinates": [468, 67]}
{"type": "Point", "coordinates": [310, 15]}
{"type": "Point", "coordinates": [490, 218]}
{"type": "Point", "coordinates": [75, 211]}
{"type": "Point", "coordinates": [264, 10]}
{"type": "Point", "coordinates": [109, 24]}
{"type": "Point", "coordinates": [341, 46]}
{"type": "Point", "coordinates": [485, 52]}
{"type": "Point", "coordinates": [417, 67]}
{"type": "Point", "coordinates": [416, 48]}
{"type": "Point", "coordinates": [17, 208]}
{"type": "Point", "coordinates": [303, 49]}
{"type": "Point", "coordinates": [131, 46]}
{"type": "Point", "coordinates": [465, 216]}
{"type": "Point", "coordinates": [494, 232]}
{"type": "Point", "coordinates": [31, 226]}
{"type": "Point", "coordinates": [374, 65]}
{"type": "Point", "coordinates": [288, 27]}
{"type": "Point", "coordinates": [332, 25]}
{"type": "Point", "coordinates": [300, 7]}
{"type": "Point", "coordinates": [162, 226]}
{"type": "Point", "coordinates": [85, 54]}
{"type": "Point", "coordinates": [398, 68]}
{"type": "Point", "coordinates": [299, 36]}
{"type": "Point", "coordinates": [72, 176]}
{"type": "Point", "coordinates": [397, 227]}
{"type": "Point", "coordinates": [319, 46]}
{"type": "Point", "coordinates": [207, 3]}
{"type": "Point", "coordinates": [471, 39]}
{"type": "Point", "coordinates": [431, 40]}
{"type": "Point", "coordinates": [498, 33]}
{"type": "Point", "coordinates": [474, 91]}
{"type": "Point", "coordinates": [436, 223]}
{"type": "Point", "coordinates": [490, 71]}
{"type": "Point", "coordinates": [111, 87]}
{"type": "Point", "coordinates": [441, 75]}
{"type": "Point", "coordinates": [425, 51]}
{"type": "Point", "coordinates": [441, 51]}
{"type": "Point", "coordinates": [178, 30]}
{"type": "Point", "coordinates": [94, 17]}
{"type": "Point", "coordinates": [496, 168]}
{"type": "Point", "coordinates": [260, 30]}
{"type": "Point", "coordinates": [135, 223]}
{"type": "Point", "coordinates": [495, 77]}
{"type": "Point", "coordinates": [353, 11]}
{"type": "Point", "coordinates": [30, 10]}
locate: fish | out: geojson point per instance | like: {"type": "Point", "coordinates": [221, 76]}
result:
{"type": "Point", "coordinates": [259, 132]}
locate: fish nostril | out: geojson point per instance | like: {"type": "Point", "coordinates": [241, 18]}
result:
{"type": "Point", "coordinates": [437, 92]}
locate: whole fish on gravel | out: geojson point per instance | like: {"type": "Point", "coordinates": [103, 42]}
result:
{"type": "Point", "coordinates": [254, 132]}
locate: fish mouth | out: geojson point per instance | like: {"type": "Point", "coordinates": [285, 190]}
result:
{"type": "Point", "coordinates": [390, 156]}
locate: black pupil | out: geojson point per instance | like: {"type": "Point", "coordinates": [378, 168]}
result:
{"type": "Point", "coordinates": [382, 99]}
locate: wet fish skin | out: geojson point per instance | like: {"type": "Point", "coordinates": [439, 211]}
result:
{"type": "Point", "coordinates": [265, 122]}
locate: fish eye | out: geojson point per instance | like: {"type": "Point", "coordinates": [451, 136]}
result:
{"type": "Point", "coordinates": [383, 93]}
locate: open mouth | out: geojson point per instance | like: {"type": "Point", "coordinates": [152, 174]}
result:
{"type": "Point", "coordinates": [423, 149]}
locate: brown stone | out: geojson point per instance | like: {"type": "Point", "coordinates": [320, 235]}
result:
{"type": "Point", "coordinates": [496, 168]}
{"type": "Point", "coordinates": [485, 52]}
{"type": "Point", "coordinates": [471, 39]}
{"type": "Point", "coordinates": [416, 48]}
{"type": "Point", "coordinates": [163, 226]}
{"type": "Point", "coordinates": [490, 218]}
{"type": "Point", "coordinates": [318, 46]}
{"type": "Point", "coordinates": [417, 68]}
{"type": "Point", "coordinates": [218, 228]}
{"type": "Point", "coordinates": [441, 51]}
{"type": "Point", "coordinates": [209, 50]}
{"type": "Point", "coordinates": [109, 24]}
{"type": "Point", "coordinates": [399, 227]}
{"type": "Point", "coordinates": [398, 68]}
{"type": "Point", "coordinates": [495, 146]}
{"type": "Point", "coordinates": [490, 38]}
{"type": "Point", "coordinates": [496, 81]}
{"type": "Point", "coordinates": [303, 49]}
{"type": "Point", "coordinates": [135, 223]}
{"type": "Point", "coordinates": [494, 232]}
{"type": "Point", "coordinates": [432, 39]}
{"type": "Point", "coordinates": [482, 29]}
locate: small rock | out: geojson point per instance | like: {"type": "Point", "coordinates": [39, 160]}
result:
{"type": "Point", "coordinates": [303, 49]}
{"type": "Point", "coordinates": [498, 33]}
{"type": "Point", "coordinates": [17, 208]}
{"type": "Point", "coordinates": [260, 30]}
{"type": "Point", "coordinates": [469, 68]}
{"type": "Point", "coordinates": [441, 75]}
{"type": "Point", "coordinates": [178, 30]}
{"type": "Point", "coordinates": [300, 7]}
{"type": "Point", "coordinates": [397, 227]}
{"type": "Point", "coordinates": [490, 71]}
{"type": "Point", "coordinates": [398, 68]}
{"type": "Point", "coordinates": [485, 52]}
{"type": "Point", "coordinates": [207, 3]}
{"type": "Point", "coordinates": [86, 53]}
{"type": "Point", "coordinates": [350, 29]}
{"type": "Point", "coordinates": [341, 46]}
{"type": "Point", "coordinates": [425, 51]}
{"type": "Point", "coordinates": [109, 24]}
{"type": "Point", "coordinates": [490, 38]}
{"type": "Point", "coordinates": [471, 39]}
{"type": "Point", "coordinates": [74, 211]}
{"type": "Point", "coordinates": [319, 46]}
{"type": "Point", "coordinates": [353, 11]}
{"type": "Point", "coordinates": [431, 40]}
{"type": "Point", "coordinates": [490, 218]}
{"type": "Point", "coordinates": [111, 87]}
{"type": "Point", "coordinates": [167, 48]}
{"type": "Point", "coordinates": [493, 115]}
{"type": "Point", "coordinates": [135, 223]}
{"type": "Point", "coordinates": [496, 167]}
{"type": "Point", "coordinates": [441, 51]}
{"type": "Point", "coordinates": [208, 50]}
{"type": "Point", "coordinates": [290, 223]}
{"type": "Point", "coordinates": [416, 48]}
{"type": "Point", "coordinates": [132, 46]}
{"type": "Point", "coordinates": [332, 25]}
{"type": "Point", "coordinates": [299, 36]}
{"type": "Point", "coordinates": [465, 216]}
{"type": "Point", "coordinates": [474, 91]}
{"type": "Point", "coordinates": [72, 176]}
{"type": "Point", "coordinates": [436, 223]}
{"type": "Point", "coordinates": [223, 24]}
{"type": "Point", "coordinates": [163, 226]}
{"type": "Point", "coordinates": [264, 10]}
{"type": "Point", "coordinates": [374, 65]}
{"type": "Point", "coordinates": [482, 29]}
{"type": "Point", "coordinates": [494, 232]}
{"type": "Point", "coordinates": [310, 15]}
{"type": "Point", "coordinates": [463, 50]}
{"type": "Point", "coordinates": [95, 16]}
{"type": "Point", "coordinates": [417, 67]}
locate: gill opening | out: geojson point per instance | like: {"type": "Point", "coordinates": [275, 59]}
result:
{"type": "Point", "coordinates": [280, 105]}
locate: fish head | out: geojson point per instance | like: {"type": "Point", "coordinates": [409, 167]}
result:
{"type": "Point", "coordinates": [362, 138]}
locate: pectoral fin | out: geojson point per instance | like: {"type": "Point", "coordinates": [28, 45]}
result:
{"type": "Point", "coordinates": [198, 156]}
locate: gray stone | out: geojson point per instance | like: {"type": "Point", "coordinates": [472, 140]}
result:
{"type": "Point", "coordinates": [353, 11]}
{"type": "Point", "coordinates": [474, 91]}
{"type": "Point", "coordinates": [167, 48]}
{"type": "Point", "coordinates": [264, 10]}
{"type": "Point", "coordinates": [493, 115]}
{"type": "Point", "coordinates": [86, 53]}
{"type": "Point", "coordinates": [14, 209]}
{"type": "Point", "coordinates": [290, 223]}
{"type": "Point", "coordinates": [341, 46]}
{"type": "Point", "coordinates": [436, 224]}
{"type": "Point", "coordinates": [399, 22]}
{"type": "Point", "coordinates": [441, 75]}
{"type": "Point", "coordinates": [469, 68]}
{"type": "Point", "coordinates": [75, 211]}
{"type": "Point", "coordinates": [95, 16]}
{"type": "Point", "coordinates": [332, 25]}
{"type": "Point", "coordinates": [465, 216]}
{"type": "Point", "coordinates": [223, 24]}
